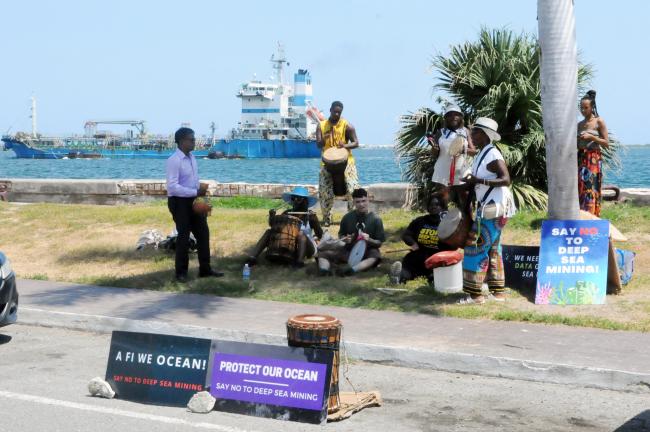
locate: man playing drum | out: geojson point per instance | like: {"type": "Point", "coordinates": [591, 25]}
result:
{"type": "Point", "coordinates": [336, 132]}
{"type": "Point", "coordinates": [183, 188]}
{"type": "Point", "coordinates": [358, 226]}
{"type": "Point", "coordinates": [309, 228]}
{"type": "Point", "coordinates": [422, 237]}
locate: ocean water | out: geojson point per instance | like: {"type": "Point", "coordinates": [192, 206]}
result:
{"type": "Point", "coordinates": [375, 165]}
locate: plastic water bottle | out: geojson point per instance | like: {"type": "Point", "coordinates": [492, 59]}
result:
{"type": "Point", "coordinates": [246, 272]}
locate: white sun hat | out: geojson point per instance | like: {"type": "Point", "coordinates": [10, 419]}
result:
{"type": "Point", "coordinates": [452, 108]}
{"type": "Point", "coordinates": [488, 126]}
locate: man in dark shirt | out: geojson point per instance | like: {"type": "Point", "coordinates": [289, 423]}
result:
{"type": "Point", "coordinates": [422, 237]}
{"type": "Point", "coordinates": [358, 224]}
{"type": "Point", "coordinates": [310, 230]}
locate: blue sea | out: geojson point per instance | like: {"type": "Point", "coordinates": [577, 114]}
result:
{"type": "Point", "coordinates": [375, 165]}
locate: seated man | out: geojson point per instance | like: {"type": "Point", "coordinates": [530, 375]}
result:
{"type": "Point", "coordinates": [310, 229]}
{"type": "Point", "coordinates": [422, 237]}
{"type": "Point", "coordinates": [356, 224]}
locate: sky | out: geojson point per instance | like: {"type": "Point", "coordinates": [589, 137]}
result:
{"type": "Point", "coordinates": [173, 62]}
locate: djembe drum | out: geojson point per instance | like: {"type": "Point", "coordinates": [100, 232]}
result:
{"type": "Point", "coordinates": [454, 228]}
{"type": "Point", "coordinates": [319, 331]}
{"type": "Point", "coordinates": [336, 161]}
{"type": "Point", "coordinates": [202, 206]}
{"type": "Point", "coordinates": [283, 242]}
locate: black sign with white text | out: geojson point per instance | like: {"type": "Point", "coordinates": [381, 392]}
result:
{"type": "Point", "coordinates": [520, 264]}
{"type": "Point", "coordinates": [157, 369]}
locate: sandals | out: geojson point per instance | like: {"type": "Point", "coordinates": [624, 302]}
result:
{"type": "Point", "coordinates": [470, 301]}
{"type": "Point", "coordinates": [492, 297]}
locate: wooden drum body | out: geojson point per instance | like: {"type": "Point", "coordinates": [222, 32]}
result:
{"type": "Point", "coordinates": [283, 242]}
{"type": "Point", "coordinates": [454, 228]}
{"type": "Point", "coordinates": [336, 161]}
{"type": "Point", "coordinates": [319, 331]}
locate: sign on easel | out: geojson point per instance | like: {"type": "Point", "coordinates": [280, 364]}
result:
{"type": "Point", "coordinates": [157, 369]}
{"type": "Point", "coordinates": [573, 262]}
{"type": "Point", "coordinates": [271, 381]}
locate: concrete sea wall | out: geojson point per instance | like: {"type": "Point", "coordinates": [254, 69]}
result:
{"type": "Point", "coordinates": [111, 192]}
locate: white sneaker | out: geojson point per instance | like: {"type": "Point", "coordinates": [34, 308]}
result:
{"type": "Point", "coordinates": [395, 272]}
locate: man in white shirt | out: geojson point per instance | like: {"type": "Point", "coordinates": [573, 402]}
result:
{"type": "Point", "coordinates": [182, 188]}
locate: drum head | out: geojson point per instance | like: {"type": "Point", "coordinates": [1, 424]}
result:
{"type": "Point", "coordinates": [335, 155]}
{"type": "Point", "coordinates": [448, 223]}
{"type": "Point", "coordinates": [456, 146]}
{"type": "Point", "coordinates": [313, 321]}
{"type": "Point", "coordinates": [357, 253]}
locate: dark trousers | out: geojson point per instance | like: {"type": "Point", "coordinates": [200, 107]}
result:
{"type": "Point", "coordinates": [187, 221]}
{"type": "Point", "coordinates": [413, 264]}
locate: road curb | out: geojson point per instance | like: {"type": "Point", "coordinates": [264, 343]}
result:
{"type": "Point", "coordinates": [457, 362]}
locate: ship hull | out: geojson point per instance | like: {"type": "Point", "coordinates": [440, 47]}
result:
{"type": "Point", "coordinates": [235, 148]}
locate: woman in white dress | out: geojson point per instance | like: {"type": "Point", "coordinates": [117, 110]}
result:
{"type": "Point", "coordinates": [452, 145]}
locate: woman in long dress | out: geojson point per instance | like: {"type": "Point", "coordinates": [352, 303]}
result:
{"type": "Point", "coordinates": [592, 136]}
{"type": "Point", "coordinates": [490, 181]}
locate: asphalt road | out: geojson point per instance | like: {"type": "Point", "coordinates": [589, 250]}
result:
{"type": "Point", "coordinates": [44, 374]}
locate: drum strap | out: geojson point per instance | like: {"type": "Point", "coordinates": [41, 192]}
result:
{"type": "Point", "coordinates": [491, 188]}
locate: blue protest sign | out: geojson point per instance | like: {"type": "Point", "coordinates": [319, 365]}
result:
{"type": "Point", "coordinates": [573, 262]}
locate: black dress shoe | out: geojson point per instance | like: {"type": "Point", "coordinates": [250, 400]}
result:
{"type": "Point", "coordinates": [213, 273]}
{"type": "Point", "coordinates": [181, 278]}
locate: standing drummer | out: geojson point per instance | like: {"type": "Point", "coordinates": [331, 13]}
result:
{"type": "Point", "coordinates": [336, 132]}
{"type": "Point", "coordinates": [182, 188]}
{"type": "Point", "coordinates": [359, 223]}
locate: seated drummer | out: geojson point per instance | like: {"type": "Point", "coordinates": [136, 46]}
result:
{"type": "Point", "coordinates": [358, 222]}
{"type": "Point", "coordinates": [310, 230]}
{"type": "Point", "coordinates": [422, 237]}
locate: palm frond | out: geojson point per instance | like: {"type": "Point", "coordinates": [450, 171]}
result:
{"type": "Point", "coordinates": [497, 76]}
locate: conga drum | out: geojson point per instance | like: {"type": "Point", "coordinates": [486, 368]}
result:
{"type": "Point", "coordinates": [454, 228]}
{"type": "Point", "coordinates": [319, 331]}
{"type": "Point", "coordinates": [336, 160]}
{"type": "Point", "coordinates": [283, 242]}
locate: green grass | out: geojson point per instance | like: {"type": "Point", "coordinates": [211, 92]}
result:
{"type": "Point", "coordinates": [96, 245]}
{"type": "Point", "coordinates": [243, 202]}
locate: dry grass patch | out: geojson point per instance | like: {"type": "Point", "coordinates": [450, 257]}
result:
{"type": "Point", "coordinates": [96, 245]}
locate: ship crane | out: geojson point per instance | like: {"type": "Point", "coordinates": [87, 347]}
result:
{"type": "Point", "coordinates": [91, 125]}
{"type": "Point", "coordinates": [278, 63]}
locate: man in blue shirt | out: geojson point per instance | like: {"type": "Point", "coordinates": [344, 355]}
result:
{"type": "Point", "coordinates": [182, 188]}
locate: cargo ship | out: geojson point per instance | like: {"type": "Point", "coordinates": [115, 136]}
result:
{"type": "Point", "coordinates": [278, 120]}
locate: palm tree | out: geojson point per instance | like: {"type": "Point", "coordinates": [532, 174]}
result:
{"type": "Point", "coordinates": [559, 78]}
{"type": "Point", "coordinates": [497, 76]}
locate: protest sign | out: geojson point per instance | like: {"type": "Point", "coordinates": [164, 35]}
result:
{"type": "Point", "coordinates": [573, 262]}
{"type": "Point", "coordinates": [157, 369]}
{"type": "Point", "coordinates": [271, 381]}
{"type": "Point", "coordinates": [520, 265]}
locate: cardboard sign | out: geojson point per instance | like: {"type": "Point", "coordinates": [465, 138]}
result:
{"type": "Point", "coordinates": [157, 369]}
{"type": "Point", "coordinates": [520, 264]}
{"type": "Point", "coordinates": [271, 381]}
{"type": "Point", "coordinates": [573, 262]}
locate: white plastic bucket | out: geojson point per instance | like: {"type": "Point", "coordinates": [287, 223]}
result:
{"type": "Point", "coordinates": [448, 279]}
